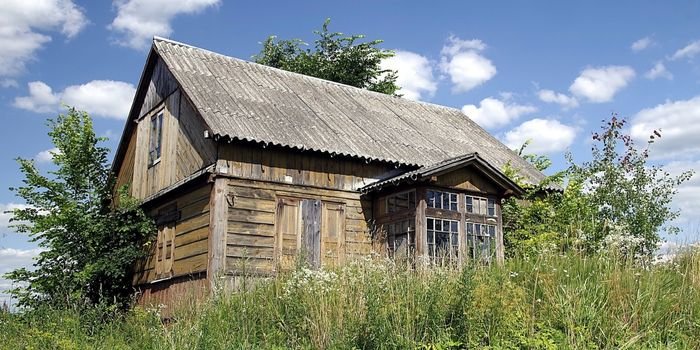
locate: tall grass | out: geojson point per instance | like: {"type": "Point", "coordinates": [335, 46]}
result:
{"type": "Point", "coordinates": [551, 302]}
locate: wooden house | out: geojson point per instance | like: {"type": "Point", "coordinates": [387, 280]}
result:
{"type": "Point", "coordinates": [246, 167]}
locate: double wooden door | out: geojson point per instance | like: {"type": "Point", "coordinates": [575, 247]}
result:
{"type": "Point", "coordinates": [309, 231]}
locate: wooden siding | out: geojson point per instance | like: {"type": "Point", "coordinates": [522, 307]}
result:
{"type": "Point", "coordinates": [298, 168]}
{"type": "Point", "coordinates": [251, 242]}
{"type": "Point", "coordinates": [169, 295]}
{"type": "Point", "coordinates": [125, 175]}
{"type": "Point", "coordinates": [467, 179]}
{"type": "Point", "coordinates": [184, 149]}
{"type": "Point", "coordinates": [191, 237]}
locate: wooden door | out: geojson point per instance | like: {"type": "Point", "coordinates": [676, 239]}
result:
{"type": "Point", "coordinates": [298, 232]}
{"type": "Point", "coordinates": [333, 233]}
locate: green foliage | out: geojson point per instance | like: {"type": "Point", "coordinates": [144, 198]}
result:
{"type": "Point", "coordinates": [571, 301]}
{"type": "Point", "coordinates": [89, 245]}
{"type": "Point", "coordinates": [617, 200]}
{"type": "Point", "coordinates": [336, 57]}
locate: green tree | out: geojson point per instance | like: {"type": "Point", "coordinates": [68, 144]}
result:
{"type": "Point", "coordinates": [89, 242]}
{"type": "Point", "coordinates": [630, 197]}
{"type": "Point", "coordinates": [336, 57]}
{"type": "Point", "coordinates": [616, 200]}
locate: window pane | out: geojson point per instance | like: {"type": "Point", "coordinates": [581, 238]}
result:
{"type": "Point", "coordinates": [430, 224]}
{"type": "Point", "coordinates": [438, 225]}
{"type": "Point", "coordinates": [454, 226]}
{"type": "Point", "coordinates": [438, 200]}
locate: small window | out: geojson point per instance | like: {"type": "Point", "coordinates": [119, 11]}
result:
{"type": "Point", "coordinates": [402, 238]}
{"type": "Point", "coordinates": [443, 239]}
{"type": "Point", "coordinates": [442, 200]}
{"type": "Point", "coordinates": [155, 139]}
{"type": "Point", "coordinates": [401, 201]}
{"type": "Point", "coordinates": [480, 205]}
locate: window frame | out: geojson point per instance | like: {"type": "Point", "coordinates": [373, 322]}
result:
{"type": "Point", "coordinates": [409, 233]}
{"type": "Point", "coordinates": [453, 241]}
{"type": "Point", "coordinates": [393, 195]}
{"type": "Point", "coordinates": [155, 138]}
{"type": "Point", "coordinates": [486, 204]}
{"type": "Point", "coordinates": [450, 202]}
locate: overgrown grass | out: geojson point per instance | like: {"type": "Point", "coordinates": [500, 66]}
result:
{"type": "Point", "coordinates": [552, 302]}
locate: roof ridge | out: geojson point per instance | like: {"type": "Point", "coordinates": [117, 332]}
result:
{"type": "Point", "coordinates": [430, 104]}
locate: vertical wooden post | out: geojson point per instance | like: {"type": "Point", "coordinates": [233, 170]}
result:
{"type": "Point", "coordinates": [421, 229]}
{"type": "Point", "coordinates": [500, 248]}
{"type": "Point", "coordinates": [218, 211]}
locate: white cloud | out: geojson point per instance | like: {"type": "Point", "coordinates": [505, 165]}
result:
{"type": "Point", "coordinates": [687, 200]}
{"type": "Point", "coordinates": [139, 20]}
{"type": "Point", "coordinates": [463, 63]}
{"type": "Point", "coordinates": [679, 122]}
{"type": "Point", "coordinates": [658, 71]}
{"type": "Point", "coordinates": [5, 216]}
{"type": "Point", "coordinates": [600, 84]}
{"type": "Point", "coordinates": [11, 259]}
{"type": "Point", "coordinates": [492, 112]}
{"type": "Point", "coordinates": [106, 98]}
{"type": "Point", "coordinates": [642, 44]}
{"type": "Point", "coordinates": [415, 74]}
{"type": "Point", "coordinates": [41, 99]}
{"type": "Point", "coordinates": [689, 51]}
{"type": "Point", "coordinates": [545, 135]}
{"type": "Point", "coordinates": [549, 96]}
{"type": "Point", "coordinates": [24, 26]}
{"type": "Point", "coordinates": [46, 156]}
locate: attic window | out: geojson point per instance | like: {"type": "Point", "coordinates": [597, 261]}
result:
{"type": "Point", "coordinates": [155, 139]}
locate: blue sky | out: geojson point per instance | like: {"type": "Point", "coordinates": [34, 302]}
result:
{"type": "Point", "coordinates": [546, 70]}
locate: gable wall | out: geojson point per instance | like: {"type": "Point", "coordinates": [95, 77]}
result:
{"type": "Point", "coordinates": [184, 148]}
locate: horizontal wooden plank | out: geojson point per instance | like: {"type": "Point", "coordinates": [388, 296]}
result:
{"type": "Point", "coordinates": [192, 236]}
{"type": "Point", "coordinates": [249, 265]}
{"type": "Point", "coordinates": [251, 228]}
{"type": "Point", "coordinates": [251, 216]}
{"type": "Point", "coordinates": [251, 192]}
{"type": "Point", "coordinates": [250, 252]}
{"type": "Point", "coordinates": [235, 239]}
{"type": "Point", "coordinates": [192, 249]}
{"type": "Point", "coordinates": [254, 204]}
{"type": "Point", "coordinates": [184, 267]}
{"type": "Point", "coordinates": [193, 223]}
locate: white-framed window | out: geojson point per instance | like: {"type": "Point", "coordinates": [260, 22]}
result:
{"type": "Point", "coordinates": [481, 241]}
{"type": "Point", "coordinates": [443, 238]}
{"type": "Point", "coordinates": [401, 201]}
{"type": "Point", "coordinates": [402, 237]}
{"type": "Point", "coordinates": [441, 200]}
{"type": "Point", "coordinates": [155, 139]}
{"type": "Point", "coordinates": [480, 205]}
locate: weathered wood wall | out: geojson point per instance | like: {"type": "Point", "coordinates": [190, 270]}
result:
{"type": "Point", "coordinates": [184, 149]}
{"type": "Point", "coordinates": [191, 237]}
{"type": "Point", "coordinates": [251, 238]}
{"type": "Point", "coordinates": [168, 295]}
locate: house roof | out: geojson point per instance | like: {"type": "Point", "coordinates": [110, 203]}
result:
{"type": "Point", "coordinates": [241, 100]}
{"type": "Point", "coordinates": [424, 173]}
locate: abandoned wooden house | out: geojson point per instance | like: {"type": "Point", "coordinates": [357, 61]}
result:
{"type": "Point", "coordinates": [246, 167]}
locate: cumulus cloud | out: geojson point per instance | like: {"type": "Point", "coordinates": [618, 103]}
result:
{"type": "Point", "coordinates": [6, 214]}
{"type": "Point", "coordinates": [600, 84]}
{"type": "Point", "coordinates": [687, 200]}
{"type": "Point", "coordinates": [492, 112]}
{"type": "Point", "coordinates": [658, 71]}
{"type": "Point", "coordinates": [25, 27]}
{"type": "Point", "coordinates": [687, 52]}
{"type": "Point", "coordinates": [105, 98]}
{"type": "Point", "coordinates": [46, 156]}
{"type": "Point", "coordinates": [642, 44]}
{"type": "Point", "coordinates": [463, 62]}
{"type": "Point", "coordinates": [678, 122]}
{"type": "Point", "coordinates": [565, 101]}
{"type": "Point", "coordinates": [139, 20]}
{"type": "Point", "coordinates": [545, 135]}
{"type": "Point", "coordinates": [11, 259]}
{"type": "Point", "coordinates": [415, 74]}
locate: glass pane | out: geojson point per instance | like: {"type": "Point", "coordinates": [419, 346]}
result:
{"type": "Point", "coordinates": [438, 200]}
{"type": "Point", "coordinates": [470, 204]}
{"type": "Point", "coordinates": [446, 201]}
{"type": "Point", "coordinates": [438, 225]}
{"type": "Point", "coordinates": [454, 226]}
{"type": "Point", "coordinates": [470, 229]}
{"type": "Point", "coordinates": [430, 224]}
{"type": "Point", "coordinates": [492, 231]}
{"type": "Point", "coordinates": [431, 237]}
{"type": "Point", "coordinates": [431, 199]}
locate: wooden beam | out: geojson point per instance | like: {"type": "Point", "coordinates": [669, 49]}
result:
{"type": "Point", "coordinates": [217, 231]}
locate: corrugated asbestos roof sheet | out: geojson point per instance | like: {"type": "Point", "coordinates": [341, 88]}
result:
{"type": "Point", "coordinates": [246, 101]}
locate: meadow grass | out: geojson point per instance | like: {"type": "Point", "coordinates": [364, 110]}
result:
{"type": "Point", "coordinates": [552, 302]}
